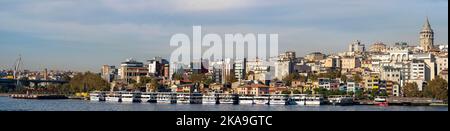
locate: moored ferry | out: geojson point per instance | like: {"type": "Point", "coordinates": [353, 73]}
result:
{"type": "Point", "coordinates": [261, 100]}
{"type": "Point", "coordinates": [278, 99]}
{"type": "Point", "coordinates": [227, 99]}
{"type": "Point", "coordinates": [297, 99]}
{"type": "Point", "coordinates": [130, 97]}
{"type": "Point", "coordinates": [246, 99]}
{"type": "Point", "coordinates": [97, 96]}
{"type": "Point", "coordinates": [113, 97]}
{"type": "Point", "coordinates": [314, 100]}
{"type": "Point", "coordinates": [166, 98]}
{"type": "Point", "coordinates": [183, 98]}
{"type": "Point", "coordinates": [209, 98]}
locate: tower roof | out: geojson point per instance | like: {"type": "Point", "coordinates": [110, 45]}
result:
{"type": "Point", "coordinates": [427, 25]}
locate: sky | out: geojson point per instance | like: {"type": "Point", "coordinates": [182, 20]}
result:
{"type": "Point", "coordinates": [82, 35]}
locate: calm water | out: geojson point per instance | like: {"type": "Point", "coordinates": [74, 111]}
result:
{"type": "Point", "coordinates": [8, 104]}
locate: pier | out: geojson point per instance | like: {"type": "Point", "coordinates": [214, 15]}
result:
{"type": "Point", "coordinates": [37, 96]}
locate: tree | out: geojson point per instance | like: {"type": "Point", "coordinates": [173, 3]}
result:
{"type": "Point", "coordinates": [411, 90]}
{"type": "Point", "coordinates": [177, 76]}
{"type": "Point", "coordinates": [84, 82]}
{"type": "Point", "coordinates": [308, 91]}
{"type": "Point", "coordinates": [357, 78]}
{"type": "Point", "coordinates": [437, 88]}
{"type": "Point", "coordinates": [344, 78]}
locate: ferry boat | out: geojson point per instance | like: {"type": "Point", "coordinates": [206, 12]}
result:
{"type": "Point", "coordinates": [97, 96]}
{"type": "Point", "coordinates": [209, 99]}
{"type": "Point", "coordinates": [297, 99]}
{"type": "Point", "coordinates": [227, 99]}
{"type": "Point", "coordinates": [340, 100]}
{"type": "Point", "coordinates": [166, 98]}
{"type": "Point", "coordinates": [314, 100]}
{"type": "Point", "coordinates": [196, 98]}
{"type": "Point", "coordinates": [130, 97]}
{"type": "Point", "coordinates": [148, 97]}
{"type": "Point", "coordinates": [246, 100]}
{"type": "Point", "coordinates": [183, 98]}
{"type": "Point", "coordinates": [261, 100]}
{"type": "Point", "coordinates": [113, 97]}
{"type": "Point", "coordinates": [277, 99]}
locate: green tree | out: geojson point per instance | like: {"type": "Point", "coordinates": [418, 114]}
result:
{"type": "Point", "coordinates": [84, 82]}
{"type": "Point", "coordinates": [411, 90]}
{"type": "Point", "coordinates": [357, 78]}
{"type": "Point", "coordinates": [177, 76]}
{"type": "Point", "coordinates": [437, 88]}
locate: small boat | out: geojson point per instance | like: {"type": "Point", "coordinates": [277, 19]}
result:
{"type": "Point", "coordinates": [246, 100]}
{"type": "Point", "coordinates": [261, 100]}
{"type": "Point", "coordinates": [97, 96]}
{"type": "Point", "coordinates": [277, 99]}
{"type": "Point", "coordinates": [381, 101]}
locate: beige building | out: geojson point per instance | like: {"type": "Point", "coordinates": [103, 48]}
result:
{"type": "Point", "coordinates": [132, 70]}
{"type": "Point", "coordinates": [378, 47]}
{"type": "Point", "coordinates": [349, 63]}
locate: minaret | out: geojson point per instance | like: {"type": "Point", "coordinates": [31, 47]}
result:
{"type": "Point", "coordinates": [427, 37]}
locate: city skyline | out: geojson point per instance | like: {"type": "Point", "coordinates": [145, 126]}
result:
{"type": "Point", "coordinates": [58, 35]}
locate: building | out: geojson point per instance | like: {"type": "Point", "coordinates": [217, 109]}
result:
{"type": "Point", "coordinates": [240, 71]}
{"type": "Point", "coordinates": [109, 73]}
{"type": "Point", "coordinates": [253, 89]}
{"type": "Point", "coordinates": [418, 70]}
{"type": "Point", "coordinates": [378, 47]}
{"type": "Point", "coordinates": [315, 56]}
{"type": "Point", "coordinates": [352, 86]}
{"type": "Point", "coordinates": [389, 73]}
{"type": "Point", "coordinates": [442, 63]}
{"type": "Point", "coordinates": [287, 56]}
{"type": "Point", "coordinates": [283, 69]}
{"type": "Point", "coordinates": [371, 81]}
{"type": "Point", "coordinates": [132, 70]}
{"type": "Point", "coordinates": [427, 37]}
{"type": "Point", "coordinates": [332, 62]}
{"type": "Point", "coordinates": [357, 47]}
{"type": "Point", "coordinates": [349, 63]}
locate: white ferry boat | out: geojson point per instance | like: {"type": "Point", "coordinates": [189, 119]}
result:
{"type": "Point", "coordinates": [183, 98]}
{"type": "Point", "coordinates": [130, 97]}
{"type": "Point", "coordinates": [146, 97]}
{"type": "Point", "coordinates": [246, 100]}
{"type": "Point", "coordinates": [113, 97]}
{"type": "Point", "coordinates": [297, 99]}
{"type": "Point", "coordinates": [261, 100]}
{"type": "Point", "coordinates": [314, 100]}
{"type": "Point", "coordinates": [277, 99]}
{"type": "Point", "coordinates": [226, 99]}
{"type": "Point", "coordinates": [166, 98]}
{"type": "Point", "coordinates": [209, 99]}
{"type": "Point", "coordinates": [97, 96]}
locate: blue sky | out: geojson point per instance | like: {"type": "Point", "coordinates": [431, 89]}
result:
{"type": "Point", "coordinates": [82, 35]}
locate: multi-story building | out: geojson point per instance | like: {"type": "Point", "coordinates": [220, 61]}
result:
{"type": "Point", "coordinates": [132, 70]}
{"type": "Point", "coordinates": [283, 69]}
{"type": "Point", "coordinates": [442, 63]}
{"type": "Point", "coordinates": [356, 46]}
{"type": "Point", "coordinates": [349, 63]}
{"type": "Point", "coordinates": [378, 47]}
{"type": "Point", "coordinates": [418, 70]}
{"type": "Point", "coordinates": [315, 56]}
{"type": "Point", "coordinates": [389, 73]}
{"type": "Point", "coordinates": [109, 73]}
{"type": "Point", "coordinates": [240, 69]}
{"type": "Point", "coordinates": [371, 81]}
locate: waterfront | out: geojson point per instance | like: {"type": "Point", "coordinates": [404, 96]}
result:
{"type": "Point", "coordinates": [9, 104]}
